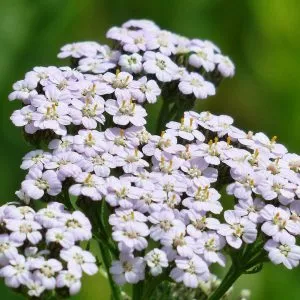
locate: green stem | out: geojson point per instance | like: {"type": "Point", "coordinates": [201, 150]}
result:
{"type": "Point", "coordinates": [152, 283]}
{"type": "Point", "coordinates": [107, 260]}
{"type": "Point", "coordinates": [232, 275]}
{"type": "Point", "coordinates": [137, 291]}
{"type": "Point", "coordinates": [162, 116]}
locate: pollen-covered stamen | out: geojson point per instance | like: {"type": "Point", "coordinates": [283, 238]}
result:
{"type": "Point", "coordinates": [51, 113]}
{"type": "Point", "coordinates": [25, 228]}
{"type": "Point", "coordinates": [165, 225]}
{"type": "Point", "coordinates": [194, 172]}
{"type": "Point", "coordinates": [238, 230]}
{"type": "Point", "coordinates": [89, 111]}
{"type": "Point", "coordinates": [161, 64]}
{"type": "Point", "coordinates": [90, 140]}
{"type": "Point", "coordinates": [122, 193]}
{"type": "Point", "coordinates": [42, 184]}
{"type": "Point", "coordinates": [202, 194]}
{"type": "Point", "coordinates": [120, 83]}
{"type": "Point", "coordinates": [212, 147]}
{"type": "Point", "coordinates": [279, 221]}
{"type": "Point", "coordinates": [285, 250]}
{"type": "Point", "coordinates": [127, 108]}
{"type": "Point", "coordinates": [128, 217]}
{"type": "Point", "coordinates": [200, 224]}
{"type": "Point", "coordinates": [210, 244]}
{"type": "Point", "coordinates": [179, 240]}
{"type": "Point", "coordinates": [133, 157]}
{"type": "Point", "coordinates": [186, 127]}
{"type": "Point", "coordinates": [186, 155]}
{"type": "Point", "coordinates": [88, 181]}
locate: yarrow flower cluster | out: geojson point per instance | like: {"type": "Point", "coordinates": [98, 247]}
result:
{"type": "Point", "coordinates": [116, 83]}
{"type": "Point", "coordinates": [40, 250]}
{"type": "Point", "coordinates": [154, 200]}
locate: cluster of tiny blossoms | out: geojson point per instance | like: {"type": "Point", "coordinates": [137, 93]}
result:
{"type": "Point", "coordinates": [166, 191]}
{"type": "Point", "coordinates": [166, 213]}
{"type": "Point", "coordinates": [116, 82]}
{"type": "Point", "coordinates": [40, 252]}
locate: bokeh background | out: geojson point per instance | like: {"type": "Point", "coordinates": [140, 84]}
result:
{"type": "Point", "coordinates": [261, 37]}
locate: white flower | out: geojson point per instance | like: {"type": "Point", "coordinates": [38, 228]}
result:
{"type": "Point", "coordinates": [95, 65]}
{"type": "Point", "coordinates": [212, 151]}
{"type": "Point", "coordinates": [150, 200]}
{"type": "Point", "coordinates": [120, 139]}
{"type": "Point", "coordinates": [237, 230]}
{"type": "Point", "coordinates": [142, 24]}
{"type": "Point", "coordinates": [190, 271]}
{"type": "Point", "coordinates": [186, 129]}
{"type": "Point", "coordinates": [88, 112]}
{"type": "Point", "coordinates": [195, 84]}
{"type": "Point", "coordinates": [120, 83]}
{"type": "Point", "coordinates": [51, 216]}
{"type": "Point", "coordinates": [176, 241]}
{"type": "Point", "coordinates": [36, 158]}
{"type": "Point", "coordinates": [246, 181]}
{"type": "Point", "coordinates": [132, 236]}
{"type": "Point", "coordinates": [62, 145]}
{"type": "Point", "coordinates": [160, 65]}
{"type": "Point", "coordinates": [250, 208]}
{"type": "Point", "coordinates": [52, 116]}
{"type": "Point", "coordinates": [23, 117]}
{"type": "Point", "coordinates": [89, 142]}
{"type": "Point", "coordinates": [276, 149]}
{"type": "Point", "coordinates": [60, 236]}
{"type": "Point", "coordinates": [53, 96]}
{"type": "Point", "coordinates": [225, 65]}
{"type": "Point", "coordinates": [131, 159]}
{"type": "Point", "coordinates": [128, 269]}
{"type": "Point", "coordinates": [144, 90]}
{"type": "Point", "coordinates": [131, 63]}
{"type": "Point", "coordinates": [66, 164]}
{"type": "Point", "coordinates": [120, 192]}
{"type": "Point", "coordinates": [166, 142]}
{"type": "Point", "coordinates": [199, 222]}
{"type": "Point", "coordinates": [37, 183]}
{"type": "Point", "coordinates": [278, 224]}
{"type": "Point", "coordinates": [23, 90]}
{"type": "Point", "coordinates": [163, 41]}
{"type": "Point", "coordinates": [89, 185]}
{"type": "Point", "coordinates": [201, 197]}
{"type": "Point", "coordinates": [80, 49]}
{"type": "Point", "coordinates": [287, 253]}
{"type": "Point", "coordinates": [79, 225]}
{"type": "Point", "coordinates": [209, 245]}
{"type": "Point", "coordinates": [79, 260]}
{"type": "Point", "coordinates": [163, 223]}
{"type": "Point", "coordinates": [122, 217]}
{"type": "Point", "coordinates": [46, 271]}
{"type": "Point", "coordinates": [35, 287]}
{"type": "Point", "coordinates": [16, 273]}
{"type": "Point", "coordinates": [202, 57]}
{"type": "Point", "coordinates": [125, 111]}
{"type": "Point", "coordinates": [70, 279]}
{"type": "Point", "coordinates": [100, 164]}
{"type": "Point", "coordinates": [24, 230]}
{"type": "Point", "coordinates": [19, 213]}
{"type": "Point", "coordinates": [156, 260]}
{"type": "Point", "coordinates": [276, 186]}
{"type": "Point", "coordinates": [8, 248]}
{"type": "Point", "coordinates": [198, 167]}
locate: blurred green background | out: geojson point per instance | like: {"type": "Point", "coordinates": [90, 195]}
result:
{"type": "Point", "coordinates": [261, 37]}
